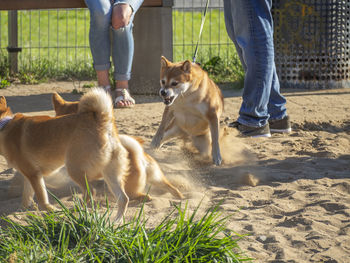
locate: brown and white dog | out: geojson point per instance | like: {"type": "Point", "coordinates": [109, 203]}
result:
{"type": "Point", "coordinates": [86, 142]}
{"type": "Point", "coordinates": [193, 106]}
{"type": "Point", "coordinates": [142, 167]}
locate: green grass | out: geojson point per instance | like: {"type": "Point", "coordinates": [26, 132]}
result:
{"type": "Point", "coordinates": [55, 45]}
{"type": "Point", "coordinates": [214, 40]}
{"type": "Point", "coordinates": [4, 74]}
{"type": "Point", "coordinates": [83, 234]}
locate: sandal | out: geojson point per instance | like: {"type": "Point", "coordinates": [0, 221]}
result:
{"type": "Point", "coordinates": [120, 101]}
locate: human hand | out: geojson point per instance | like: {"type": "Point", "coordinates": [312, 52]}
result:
{"type": "Point", "coordinates": [121, 15]}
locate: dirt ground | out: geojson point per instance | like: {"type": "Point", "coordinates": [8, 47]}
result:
{"type": "Point", "coordinates": [289, 193]}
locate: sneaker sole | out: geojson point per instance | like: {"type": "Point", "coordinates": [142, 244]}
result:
{"type": "Point", "coordinates": [289, 130]}
{"type": "Point", "coordinates": [261, 136]}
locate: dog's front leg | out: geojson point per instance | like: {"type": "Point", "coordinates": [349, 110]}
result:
{"type": "Point", "coordinates": [214, 131]}
{"type": "Point", "coordinates": [28, 193]}
{"type": "Point", "coordinates": [167, 119]}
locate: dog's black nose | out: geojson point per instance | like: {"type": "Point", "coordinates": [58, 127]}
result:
{"type": "Point", "coordinates": [163, 92]}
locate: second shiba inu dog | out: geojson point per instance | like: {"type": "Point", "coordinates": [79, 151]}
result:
{"type": "Point", "coordinates": [142, 167]}
{"type": "Point", "coordinates": [193, 106]}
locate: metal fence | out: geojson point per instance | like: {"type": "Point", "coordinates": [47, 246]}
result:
{"type": "Point", "coordinates": [214, 41]}
{"type": "Point", "coordinates": [58, 39]}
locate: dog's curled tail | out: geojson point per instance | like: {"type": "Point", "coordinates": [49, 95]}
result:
{"type": "Point", "coordinates": [98, 101]}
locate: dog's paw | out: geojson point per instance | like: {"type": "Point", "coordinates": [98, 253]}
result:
{"type": "Point", "coordinates": [143, 198]}
{"type": "Point", "coordinates": [180, 195]}
{"type": "Point", "coordinates": [49, 208]}
{"type": "Point", "coordinates": [217, 159]}
{"type": "Point", "coordinates": [155, 144]}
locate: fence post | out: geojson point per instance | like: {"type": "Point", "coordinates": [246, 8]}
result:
{"type": "Point", "coordinates": [13, 48]}
{"type": "Point", "coordinates": [153, 34]}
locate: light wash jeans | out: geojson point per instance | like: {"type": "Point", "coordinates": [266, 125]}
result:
{"type": "Point", "coordinates": [249, 24]}
{"type": "Point", "coordinates": [120, 41]}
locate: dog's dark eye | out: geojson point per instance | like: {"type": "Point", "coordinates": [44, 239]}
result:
{"type": "Point", "coordinates": [174, 83]}
{"type": "Point", "coordinates": [162, 81]}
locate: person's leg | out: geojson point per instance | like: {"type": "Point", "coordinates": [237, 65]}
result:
{"type": "Point", "coordinates": [279, 120]}
{"type": "Point", "coordinates": [230, 30]}
{"type": "Point", "coordinates": [123, 47]}
{"type": "Point", "coordinates": [103, 78]}
{"type": "Point", "coordinates": [99, 36]}
{"type": "Point", "coordinates": [249, 24]}
{"type": "Point", "coordinates": [277, 103]}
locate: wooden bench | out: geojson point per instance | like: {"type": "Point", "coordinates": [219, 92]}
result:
{"type": "Point", "coordinates": [153, 35]}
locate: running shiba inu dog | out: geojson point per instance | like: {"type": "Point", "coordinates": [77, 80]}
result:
{"type": "Point", "coordinates": [193, 106]}
{"type": "Point", "coordinates": [86, 142]}
{"type": "Point", "coordinates": [142, 167]}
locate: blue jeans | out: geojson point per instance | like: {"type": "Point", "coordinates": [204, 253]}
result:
{"type": "Point", "coordinates": [249, 24]}
{"type": "Point", "coordinates": [120, 41]}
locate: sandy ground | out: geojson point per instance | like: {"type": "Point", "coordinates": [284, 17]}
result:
{"type": "Point", "coordinates": [290, 194]}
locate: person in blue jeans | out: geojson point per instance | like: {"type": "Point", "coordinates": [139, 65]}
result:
{"type": "Point", "coordinates": [111, 23]}
{"type": "Point", "coordinates": [249, 24]}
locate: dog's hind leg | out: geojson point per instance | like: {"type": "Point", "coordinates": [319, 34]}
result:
{"type": "Point", "coordinates": [156, 177]}
{"type": "Point", "coordinates": [136, 180]}
{"type": "Point", "coordinates": [202, 143]}
{"type": "Point", "coordinates": [113, 175]}
{"type": "Point", "coordinates": [80, 177]}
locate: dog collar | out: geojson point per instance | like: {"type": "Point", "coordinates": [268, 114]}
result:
{"type": "Point", "coordinates": [4, 121]}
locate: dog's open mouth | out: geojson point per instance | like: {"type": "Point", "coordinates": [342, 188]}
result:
{"type": "Point", "coordinates": [168, 100]}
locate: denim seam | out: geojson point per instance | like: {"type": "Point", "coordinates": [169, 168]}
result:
{"type": "Point", "coordinates": [118, 76]}
{"type": "Point", "coordinates": [102, 66]}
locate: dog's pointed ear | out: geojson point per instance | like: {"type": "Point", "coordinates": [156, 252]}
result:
{"type": "Point", "coordinates": [164, 62]}
{"type": "Point", "coordinates": [57, 100]}
{"type": "Point", "coordinates": [187, 66]}
{"type": "Point", "coordinates": [3, 102]}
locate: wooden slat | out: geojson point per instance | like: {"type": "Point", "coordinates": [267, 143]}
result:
{"type": "Point", "coordinates": [53, 4]}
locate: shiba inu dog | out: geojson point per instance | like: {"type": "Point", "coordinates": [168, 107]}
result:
{"type": "Point", "coordinates": [142, 167]}
{"type": "Point", "coordinates": [86, 142]}
{"type": "Point", "coordinates": [193, 106]}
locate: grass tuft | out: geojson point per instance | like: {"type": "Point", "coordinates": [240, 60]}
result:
{"type": "Point", "coordinates": [83, 234]}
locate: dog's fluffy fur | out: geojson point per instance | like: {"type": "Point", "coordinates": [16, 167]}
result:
{"type": "Point", "coordinates": [86, 142]}
{"type": "Point", "coordinates": [194, 104]}
{"type": "Point", "coordinates": [142, 167]}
